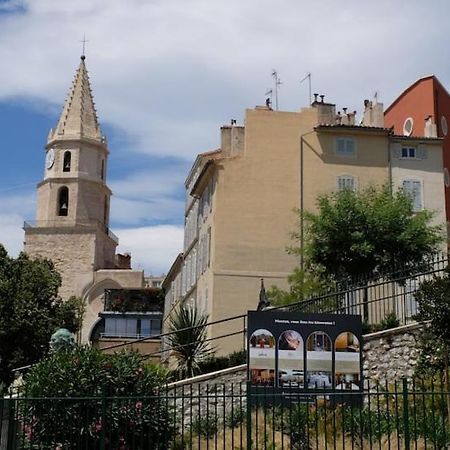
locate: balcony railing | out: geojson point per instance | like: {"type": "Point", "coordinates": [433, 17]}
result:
{"type": "Point", "coordinates": [66, 222]}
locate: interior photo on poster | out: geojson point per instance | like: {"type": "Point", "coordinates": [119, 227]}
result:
{"type": "Point", "coordinates": [290, 359]}
{"type": "Point", "coordinates": [347, 362]}
{"type": "Point", "coordinates": [262, 358]}
{"type": "Point", "coordinates": [319, 357]}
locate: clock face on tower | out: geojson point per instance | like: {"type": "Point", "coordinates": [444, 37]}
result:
{"type": "Point", "coordinates": [50, 158]}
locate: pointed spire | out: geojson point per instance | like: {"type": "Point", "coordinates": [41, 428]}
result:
{"type": "Point", "coordinates": [79, 117]}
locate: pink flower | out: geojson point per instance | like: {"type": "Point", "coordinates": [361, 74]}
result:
{"type": "Point", "coordinates": [98, 426]}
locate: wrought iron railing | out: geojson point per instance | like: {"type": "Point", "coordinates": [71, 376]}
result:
{"type": "Point", "coordinates": [397, 415]}
{"type": "Point", "coordinates": [376, 298]}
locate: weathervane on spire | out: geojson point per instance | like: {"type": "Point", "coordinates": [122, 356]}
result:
{"type": "Point", "coordinates": [83, 54]}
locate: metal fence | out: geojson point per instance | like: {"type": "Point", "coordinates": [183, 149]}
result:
{"type": "Point", "coordinates": [396, 416]}
{"type": "Point", "coordinates": [382, 300]}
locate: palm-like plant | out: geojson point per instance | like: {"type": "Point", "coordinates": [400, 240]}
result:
{"type": "Point", "coordinates": [188, 339]}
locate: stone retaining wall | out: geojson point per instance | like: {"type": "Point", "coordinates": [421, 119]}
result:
{"type": "Point", "coordinates": [391, 354]}
{"type": "Point", "coordinates": [387, 355]}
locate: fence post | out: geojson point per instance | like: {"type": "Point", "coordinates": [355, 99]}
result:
{"type": "Point", "coordinates": [249, 417]}
{"type": "Point", "coordinates": [406, 436]}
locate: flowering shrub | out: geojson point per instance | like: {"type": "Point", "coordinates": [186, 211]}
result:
{"type": "Point", "coordinates": [85, 396]}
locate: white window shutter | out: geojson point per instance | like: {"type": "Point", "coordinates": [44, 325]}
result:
{"type": "Point", "coordinates": [417, 195]}
{"type": "Point", "coordinates": [397, 150]}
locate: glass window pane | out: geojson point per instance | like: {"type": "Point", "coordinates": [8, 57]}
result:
{"type": "Point", "coordinates": [145, 327]}
{"type": "Point", "coordinates": [110, 326]}
{"type": "Point", "coordinates": [156, 326]}
{"type": "Point", "coordinates": [121, 327]}
{"type": "Point", "coordinates": [131, 327]}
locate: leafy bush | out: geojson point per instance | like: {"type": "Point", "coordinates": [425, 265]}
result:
{"type": "Point", "coordinates": [206, 426]}
{"type": "Point", "coordinates": [236, 417]}
{"type": "Point", "coordinates": [213, 363]}
{"type": "Point", "coordinates": [295, 421]}
{"type": "Point", "coordinates": [97, 396]}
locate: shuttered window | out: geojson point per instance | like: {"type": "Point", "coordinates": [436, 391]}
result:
{"type": "Point", "coordinates": [345, 147]}
{"type": "Point", "coordinates": [414, 189]}
{"type": "Point", "coordinates": [346, 182]}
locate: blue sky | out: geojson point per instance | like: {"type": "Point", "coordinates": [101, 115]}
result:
{"type": "Point", "coordinates": [166, 74]}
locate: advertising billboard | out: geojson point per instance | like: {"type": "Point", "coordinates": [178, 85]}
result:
{"type": "Point", "coordinates": [305, 352]}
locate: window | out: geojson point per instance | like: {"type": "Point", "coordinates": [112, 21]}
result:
{"type": "Point", "coordinates": [102, 173]}
{"type": "Point", "coordinates": [413, 188]}
{"type": "Point", "coordinates": [150, 327]}
{"type": "Point", "coordinates": [63, 201]}
{"type": "Point", "coordinates": [409, 152]}
{"type": "Point", "coordinates": [346, 182]}
{"type": "Point", "coordinates": [67, 161]}
{"type": "Point", "coordinates": [120, 327]}
{"type": "Point", "coordinates": [345, 147]}
{"type": "Point", "coordinates": [444, 126]}
{"type": "Point", "coordinates": [408, 126]}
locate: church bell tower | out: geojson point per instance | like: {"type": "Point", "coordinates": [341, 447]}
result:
{"type": "Point", "coordinates": [73, 199]}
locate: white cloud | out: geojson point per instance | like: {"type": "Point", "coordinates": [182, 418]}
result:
{"type": "Point", "coordinates": [11, 233]}
{"type": "Point", "coordinates": [169, 73]}
{"type": "Point", "coordinates": [152, 248]}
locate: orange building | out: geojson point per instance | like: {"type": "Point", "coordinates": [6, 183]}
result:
{"type": "Point", "coordinates": [423, 110]}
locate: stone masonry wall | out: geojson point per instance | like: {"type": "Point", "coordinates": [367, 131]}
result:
{"type": "Point", "coordinates": [387, 355]}
{"type": "Point", "coordinates": [391, 354]}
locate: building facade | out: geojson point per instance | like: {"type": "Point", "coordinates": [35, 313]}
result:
{"type": "Point", "coordinates": [73, 205]}
{"type": "Point", "coordinates": [423, 109]}
{"type": "Point", "coordinates": [240, 199]}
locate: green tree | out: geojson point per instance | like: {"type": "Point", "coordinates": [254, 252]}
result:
{"type": "Point", "coordinates": [188, 339]}
{"type": "Point", "coordinates": [367, 232]}
{"type": "Point", "coordinates": [357, 235]}
{"type": "Point", "coordinates": [30, 311]}
{"type": "Point", "coordinates": [433, 302]}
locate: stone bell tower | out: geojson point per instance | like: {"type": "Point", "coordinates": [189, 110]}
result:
{"type": "Point", "coordinates": [73, 199]}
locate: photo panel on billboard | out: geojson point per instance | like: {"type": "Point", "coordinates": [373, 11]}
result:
{"type": "Point", "coordinates": [347, 362]}
{"type": "Point", "coordinates": [262, 358]}
{"type": "Point", "coordinates": [290, 359]}
{"type": "Point", "coordinates": [319, 361]}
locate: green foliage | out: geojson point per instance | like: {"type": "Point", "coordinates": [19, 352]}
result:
{"type": "Point", "coordinates": [213, 363]}
{"type": "Point", "coordinates": [83, 380]}
{"type": "Point", "coordinates": [432, 352]}
{"type": "Point", "coordinates": [302, 285]}
{"type": "Point", "coordinates": [362, 233]}
{"type": "Point", "coordinates": [30, 311]}
{"type": "Point", "coordinates": [127, 300]}
{"type": "Point", "coordinates": [433, 300]}
{"type": "Point", "coordinates": [236, 417]}
{"type": "Point", "coordinates": [188, 341]}
{"type": "Point", "coordinates": [363, 423]}
{"type": "Point", "coordinates": [295, 421]}
{"type": "Point", "coordinates": [205, 425]}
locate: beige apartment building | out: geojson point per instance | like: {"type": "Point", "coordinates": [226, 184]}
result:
{"type": "Point", "coordinates": [240, 198]}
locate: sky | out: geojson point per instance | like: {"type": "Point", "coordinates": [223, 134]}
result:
{"type": "Point", "coordinates": [166, 74]}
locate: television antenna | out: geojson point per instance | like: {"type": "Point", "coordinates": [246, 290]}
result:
{"type": "Point", "coordinates": [277, 83]}
{"type": "Point", "coordinates": [308, 77]}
